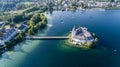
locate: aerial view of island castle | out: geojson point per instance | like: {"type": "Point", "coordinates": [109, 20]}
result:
{"type": "Point", "coordinates": [59, 33]}
{"type": "Point", "coordinates": [81, 35]}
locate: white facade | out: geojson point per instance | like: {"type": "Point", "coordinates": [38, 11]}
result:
{"type": "Point", "coordinates": [81, 37]}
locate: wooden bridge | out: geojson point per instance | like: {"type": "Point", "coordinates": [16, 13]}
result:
{"type": "Point", "coordinates": [47, 37]}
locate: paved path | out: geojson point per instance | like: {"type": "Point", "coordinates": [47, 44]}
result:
{"type": "Point", "coordinates": [47, 38]}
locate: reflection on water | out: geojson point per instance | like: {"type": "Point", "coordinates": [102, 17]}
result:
{"type": "Point", "coordinates": [6, 56]}
{"type": "Point", "coordinates": [63, 46]}
{"type": "Point", "coordinates": [17, 48]}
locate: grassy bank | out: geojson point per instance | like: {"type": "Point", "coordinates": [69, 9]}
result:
{"type": "Point", "coordinates": [36, 22]}
{"type": "Point", "coordinates": [86, 45]}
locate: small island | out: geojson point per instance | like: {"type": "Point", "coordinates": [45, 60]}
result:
{"type": "Point", "coordinates": [81, 37]}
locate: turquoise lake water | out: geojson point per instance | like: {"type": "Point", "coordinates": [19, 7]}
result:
{"type": "Point", "coordinates": [54, 53]}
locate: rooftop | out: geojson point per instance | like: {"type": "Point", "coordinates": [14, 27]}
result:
{"type": "Point", "coordinates": [1, 24]}
{"type": "Point", "coordinates": [7, 34]}
{"type": "Point", "coordinates": [81, 33]}
{"type": "Point", "coordinates": [22, 27]}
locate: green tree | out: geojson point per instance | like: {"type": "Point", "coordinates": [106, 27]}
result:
{"type": "Point", "coordinates": [1, 34]}
{"type": "Point", "coordinates": [31, 31]}
{"type": "Point", "coordinates": [35, 18]}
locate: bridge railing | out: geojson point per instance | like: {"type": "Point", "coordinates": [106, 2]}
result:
{"type": "Point", "coordinates": [47, 37]}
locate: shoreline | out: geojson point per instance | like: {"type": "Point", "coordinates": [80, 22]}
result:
{"type": "Point", "coordinates": [88, 46]}
{"type": "Point", "coordinates": [20, 36]}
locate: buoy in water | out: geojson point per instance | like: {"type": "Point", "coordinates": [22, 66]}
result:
{"type": "Point", "coordinates": [115, 50]}
{"type": "Point", "coordinates": [61, 21]}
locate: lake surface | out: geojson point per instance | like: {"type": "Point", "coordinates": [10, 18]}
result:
{"type": "Point", "coordinates": [54, 53]}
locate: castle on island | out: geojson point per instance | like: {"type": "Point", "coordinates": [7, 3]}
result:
{"type": "Point", "coordinates": [80, 36]}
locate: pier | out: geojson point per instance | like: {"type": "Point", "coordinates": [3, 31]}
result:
{"type": "Point", "coordinates": [47, 37]}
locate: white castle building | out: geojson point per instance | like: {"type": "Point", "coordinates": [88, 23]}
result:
{"type": "Point", "coordinates": [81, 35]}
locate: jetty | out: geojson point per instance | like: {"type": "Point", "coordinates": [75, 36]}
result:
{"type": "Point", "coordinates": [47, 37]}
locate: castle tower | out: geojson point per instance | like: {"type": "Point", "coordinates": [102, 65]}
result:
{"type": "Point", "coordinates": [73, 31]}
